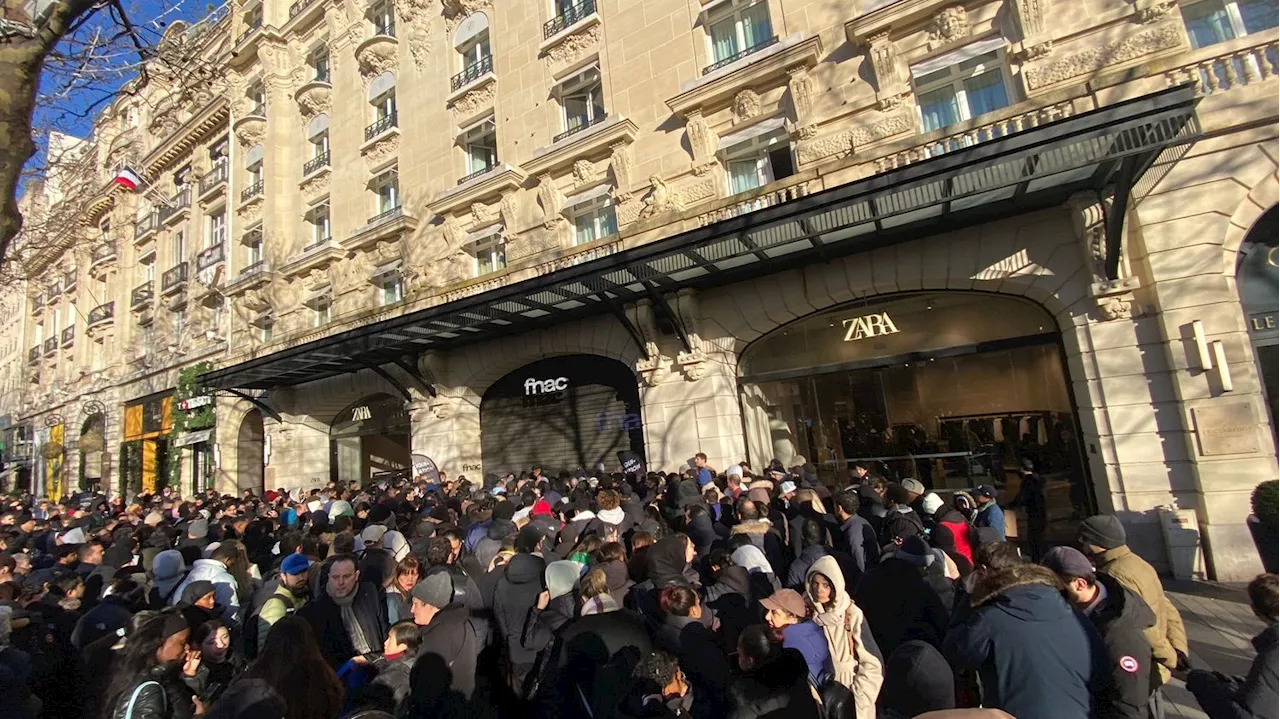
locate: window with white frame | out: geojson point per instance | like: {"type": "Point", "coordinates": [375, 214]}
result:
{"type": "Point", "coordinates": [480, 144]}
{"type": "Point", "coordinates": [178, 246]}
{"type": "Point", "coordinates": [490, 255]}
{"type": "Point", "coordinates": [382, 16]}
{"type": "Point", "coordinates": [318, 60]}
{"type": "Point", "coordinates": [594, 220]}
{"type": "Point", "coordinates": [148, 267]}
{"type": "Point", "coordinates": [253, 248]}
{"type": "Point", "coordinates": [215, 228]}
{"type": "Point", "coordinates": [391, 288]}
{"type": "Point", "coordinates": [477, 54]}
{"type": "Point", "coordinates": [386, 191]}
{"type": "Point", "coordinates": [320, 145]}
{"type": "Point", "coordinates": [961, 91]}
{"type": "Point", "coordinates": [253, 173]}
{"type": "Point", "coordinates": [384, 106]}
{"type": "Point", "coordinates": [257, 95]}
{"type": "Point", "coordinates": [318, 218]}
{"type": "Point", "coordinates": [758, 161]}
{"type": "Point", "coordinates": [321, 311]}
{"type": "Point", "coordinates": [582, 100]}
{"type": "Point", "coordinates": [738, 28]}
{"type": "Point", "coordinates": [1213, 21]}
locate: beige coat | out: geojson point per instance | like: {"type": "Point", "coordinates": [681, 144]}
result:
{"type": "Point", "coordinates": [854, 654]}
{"type": "Point", "coordinates": [1168, 636]}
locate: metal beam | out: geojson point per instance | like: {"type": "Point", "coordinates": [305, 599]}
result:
{"type": "Point", "coordinates": [627, 324]}
{"type": "Point", "coordinates": [660, 304]}
{"type": "Point", "coordinates": [1115, 219]}
{"type": "Point", "coordinates": [404, 391]}
{"type": "Point", "coordinates": [262, 406]}
{"type": "Point", "coordinates": [423, 383]}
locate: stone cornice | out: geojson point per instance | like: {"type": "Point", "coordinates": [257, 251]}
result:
{"type": "Point", "coordinates": [895, 15]}
{"type": "Point", "coordinates": [494, 182]}
{"type": "Point", "coordinates": [187, 136]}
{"type": "Point", "coordinates": [593, 139]}
{"type": "Point", "coordinates": [717, 88]}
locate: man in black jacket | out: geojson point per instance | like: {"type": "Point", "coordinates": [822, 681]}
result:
{"type": "Point", "coordinates": [350, 617]}
{"type": "Point", "coordinates": [1120, 616]}
{"type": "Point", "coordinates": [444, 675]}
{"type": "Point", "coordinates": [1253, 695]}
{"type": "Point", "coordinates": [857, 537]}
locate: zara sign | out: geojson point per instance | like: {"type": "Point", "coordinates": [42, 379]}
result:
{"type": "Point", "coordinates": [545, 386]}
{"type": "Point", "coordinates": [874, 325]}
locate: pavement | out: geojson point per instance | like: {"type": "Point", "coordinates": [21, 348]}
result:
{"type": "Point", "coordinates": [1219, 626]}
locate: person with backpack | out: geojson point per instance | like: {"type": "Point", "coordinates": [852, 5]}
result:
{"type": "Point", "coordinates": [288, 598]}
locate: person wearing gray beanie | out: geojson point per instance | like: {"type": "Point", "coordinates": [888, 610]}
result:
{"type": "Point", "coordinates": [1103, 530]}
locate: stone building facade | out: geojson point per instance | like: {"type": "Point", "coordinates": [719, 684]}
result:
{"type": "Point", "coordinates": [320, 170]}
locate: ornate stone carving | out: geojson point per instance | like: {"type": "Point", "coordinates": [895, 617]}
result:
{"type": "Point", "coordinates": [452, 233]}
{"type": "Point", "coordinates": [1031, 53]}
{"type": "Point", "coordinates": [315, 279]}
{"type": "Point", "coordinates": [655, 368]}
{"type": "Point", "coordinates": [1088, 217]}
{"type": "Point", "coordinates": [574, 47]}
{"type": "Point", "coordinates": [455, 11]}
{"type": "Point", "coordinates": [249, 132]}
{"type": "Point", "coordinates": [286, 295]}
{"type": "Point", "coordinates": [481, 212]}
{"type": "Point", "coordinates": [552, 201]}
{"type": "Point", "coordinates": [315, 100]}
{"type": "Point", "coordinates": [660, 200]}
{"type": "Point", "coordinates": [1029, 14]}
{"type": "Point", "coordinates": [746, 105]}
{"type": "Point", "coordinates": [1116, 307]}
{"type": "Point", "coordinates": [691, 193]}
{"type": "Point", "coordinates": [888, 127]}
{"type": "Point", "coordinates": [702, 141]}
{"type": "Point", "coordinates": [801, 87]}
{"type": "Point", "coordinates": [381, 151]}
{"type": "Point", "coordinates": [837, 144]}
{"type": "Point", "coordinates": [316, 186]}
{"type": "Point", "coordinates": [584, 171]}
{"type": "Point", "coordinates": [1148, 12]}
{"type": "Point", "coordinates": [509, 210]}
{"type": "Point", "coordinates": [693, 364]}
{"type": "Point", "coordinates": [949, 25]}
{"type": "Point", "coordinates": [886, 65]}
{"type": "Point", "coordinates": [622, 164]}
{"type": "Point", "coordinates": [1145, 42]}
{"type": "Point", "coordinates": [376, 56]}
{"type": "Point", "coordinates": [386, 251]}
{"type": "Point", "coordinates": [415, 15]}
{"type": "Point", "coordinates": [533, 243]}
{"type": "Point", "coordinates": [474, 100]}
{"type": "Point", "coordinates": [250, 213]}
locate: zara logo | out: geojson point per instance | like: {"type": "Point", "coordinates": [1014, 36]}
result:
{"type": "Point", "coordinates": [876, 325]}
{"type": "Point", "coordinates": [545, 386]}
{"type": "Point", "coordinates": [360, 414]}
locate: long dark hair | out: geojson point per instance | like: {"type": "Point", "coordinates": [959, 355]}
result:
{"type": "Point", "coordinates": [292, 664]}
{"type": "Point", "coordinates": [137, 658]}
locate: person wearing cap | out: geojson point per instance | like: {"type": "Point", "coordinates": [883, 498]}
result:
{"type": "Point", "coordinates": [450, 642]}
{"type": "Point", "coordinates": [787, 614]}
{"type": "Point", "coordinates": [915, 491]}
{"type": "Point", "coordinates": [702, 472]}
{"type": "Point", "coordinates": [1121, 617]}
{"type": "Point", "coordinates": [289, 596]}
{"type": "Point", "coordinates": [1102, 538]}
{"type": "Point", "coordinates": [990, 514]}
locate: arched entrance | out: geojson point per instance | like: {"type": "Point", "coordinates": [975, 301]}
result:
{"type": "Point", "coordinates": [955, 389]}
{"type": "Point", "coordinates": [92, 444]}
{"type": "Point", "coordinates": [250, 441]}
{"type": "Point", "coordinates": [561, 413]}
{"type": "Point", "coordinates": [369, 440]}
{"type": "Point", "coordinates": [1258, 283]}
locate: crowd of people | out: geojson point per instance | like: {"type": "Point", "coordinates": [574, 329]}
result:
{"type": "Point", "coordinates": [714, 595]}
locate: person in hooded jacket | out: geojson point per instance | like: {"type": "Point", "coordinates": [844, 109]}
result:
{"type": "Point", "coordinates": [699, 528]}
{"type": "Point", "coordinates": [514, 599]}
{"type": "Point", "coordinates": [774, 684]}
{"type": "Point", "coordinates": [500, 529]}
{"type": "Point", "coordinates": [611, 559]}
{"type": "Point", "coordinates": [900, 521]}
{"type": "Point", "coordinates": [917, 679]}
{"type": "Point", "coordinates": [667, 563]}
{"type": "Point", "coordinates": [1034, 654]}
{"type": "Point", "coordinates": [753, 523]}
{"type": "Point", "coordinates": [1121, 618]}
{"type": "Point", "coordinates": [168, 570]}
{"type": "Point", "coordinates": [787, 615]}
{"type": "Point", "coordinates": [804, 506]}
{"type": "Point", "coordinates": [855, 658]}
{"type": "Point", "coordinates": [898, 600]}
{"type": "Point", "coordinates": [940, 514]}
{"type": "Point", "coordinates": [124, 598]}
{"type": "Point", "coordinates": [697, 648]}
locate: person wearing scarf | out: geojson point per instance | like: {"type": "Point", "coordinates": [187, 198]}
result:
{"type": "Point", "coordinates": [854, 655]}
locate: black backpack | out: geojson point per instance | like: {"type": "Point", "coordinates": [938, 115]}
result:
{"type": "Point", "coordinates": [251, 631]}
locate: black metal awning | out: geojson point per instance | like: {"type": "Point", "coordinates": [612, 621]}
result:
{"type": "Point", "coordinates": [1018, 173]}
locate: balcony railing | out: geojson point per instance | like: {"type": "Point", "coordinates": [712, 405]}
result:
{"type": "Point", "coordinates": [68, 336]}
{"type": "Point", "coordinates": [180, 201]}
{"type": "Point", "coordinates": [142, 294]}
{"type": "Point", "coordinates": [253, 27]}
{"type": "Point", "coordinates": [571, 15]}
{"type": "Point", "coordinates": [739, 55]}
{"type": "Point", "coordinates": [317, 243]}
{"type": "Point", "coordinates": [54, 290]}
{"type": "Point", "coordinates": [173, 277]}
{"type": "Point", "coordinates": [380, 127]}
{"type": "Point", "coordinates": [252, 190]}
{"type": "Point", "coordinates": [299, 6]}
{"type": "Point", "coordinates": [387, 30]}
{"type": "Point", "coordinates": [69, 282]}
{"type": "Point", "coordinates": [214, 177]}
{"type": "Point", "coordinates": [146, 225]}
{"type": "Point", "coordinates": [472, 72]}
{"type": "Point", "coordinates": [210, 256]}
{"type": "Point", "coordinates": [102, 313]}
{"type": "Point", "coordinates": [315, 163]}
{"type": "Point", "coordinates": [37, 303]}
{"type": "Point", "coordinates": [103, 252]}
{"type": "Point", "coordinates": [33, 354]}
{"type": "Point", "coordinates": [253, 268]}
{"type": "Point", "coordinates": [387, 216]}
{"type": "Point", "coordinates": [584, 124]}
{"type": "Point", "coordinates": [50, 346]}
{"type": "Point", "coordinates": [468, 178]}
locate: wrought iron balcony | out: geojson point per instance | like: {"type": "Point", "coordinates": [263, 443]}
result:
{"type": "Point", "coordinates": [316, 244]}
{"type": "Point", "coordinates": [380, 127]}
{"type": "Point", "coordinates": [146, 225]}
{"type": "Point", "coordinates": [214, 178]}
{"type": "Point", "coordinates": [388, 30]}
{"type": "Point", "coordinates": [254, 268]}
{"type": "Point", "coordinates": [142, 294]}
{"type": "Point", "coordinates": [69, 282]}
{"type": "Point", "coordinates": [468, 178]}
{"type": "Point", "coordinates": [252, 190]}
{"type": "Point", "coordinates": [567, 17]}
{"type": "Point", "coordinates": [103, 252]}
{"type": "Point", "coordinates": [54, 290]}
{"type": "Point", "coordinates": [583, 123]}
{"type": "Point", "coordinates": [180, 201]}
{"type": "Point", "coordinates": [387, 216]}
{"type": "Point", "coordinates": [472, 72]}
{"type": "Point", "coordinates": [315, 163]}
{"type": "Point", "coordinates": [173, 277]}
{"type": "Point", "coordinates": [33, 354]}
{"type": "Point", "coordinates": [299, 6]}
{"type": "Point", "coordinates": [102, 313]}
{"type": "Point", "coordinates": [253, 26]}
{"type": "Point", "coordinates": [739, 55]}
{"type": "Point", "coordinates": [210, 256]}
{"type": "Point", "coordinates": [50, 346]}
{"type": "Point", "coordinates": [37, 302]}
{"type": "Point", "coordinates": [68, 336]}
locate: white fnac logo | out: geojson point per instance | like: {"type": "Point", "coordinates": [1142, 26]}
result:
{"type": "Point", "coordinates": [545, 386]}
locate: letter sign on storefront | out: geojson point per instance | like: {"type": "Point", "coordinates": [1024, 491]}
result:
{"type": "Point", "coordinates": [875, 325]}
{"type": "Point", "coordinates": [360, 414]}
{"type": "Point", "coordinates": [545, 386]}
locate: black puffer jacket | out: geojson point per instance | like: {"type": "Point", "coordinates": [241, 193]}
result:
{"type": "Point", "coordinates": [777, 689]}
{"type": "Point", "coordinates": [666, 566]}
{"type": "Point", "coordinates": [1121, 618]}
{"type": "Point", "coordinates": [513, 600]}
{"type": "Point", "coordinates": [158, 694]}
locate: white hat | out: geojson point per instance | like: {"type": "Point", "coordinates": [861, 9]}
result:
{"type": "Point", "coordinates": [373, 534]}
{"type": "Point", "coordinates": [914, 486]}
{"type": "Point", "coordinates": [734, 470]}
{"type": "Point", "coordinates": [396, 544]}
{"type": "Point", "coordinates": [314, 505]}
{"type": "Point", "coordinates": [931, 503]}
{"type": "Point", "coordinates": [786, 487]}
{"type": "Point", "coordinates": [75, 536]}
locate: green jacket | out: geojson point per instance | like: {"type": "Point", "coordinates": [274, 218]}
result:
{"type": "Point", "coordinates": [1167, 636]}
{"type": "Point", "coordinates": [277, 606]}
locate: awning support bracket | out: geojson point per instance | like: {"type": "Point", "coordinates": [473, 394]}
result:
{"type": "Point", "coordinates": [1115, 218]}
{"type": "Point", "coordinates": [418, 378]}
{"type": "Point", "coordinates": [663, 308]}
{"type": "Point", "coordinates": [262, 406]}
{"type": "Point", "coordinates": [391, 380]}
{"type": "Point", "coordinates": [627, 324]}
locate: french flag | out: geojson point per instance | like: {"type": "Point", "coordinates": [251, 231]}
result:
{"type": "Point", "coordinates": [128, 179]}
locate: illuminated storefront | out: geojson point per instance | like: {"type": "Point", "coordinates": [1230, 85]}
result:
{"type": "Point", "coordinates": [144, 454]}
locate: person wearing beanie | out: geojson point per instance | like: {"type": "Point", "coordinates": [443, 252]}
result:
{"type": "Point", "coordinates": [501, 528]}
{"type": "Point", "coordinates": [167, 572]}
{"type": "Point", "coordinates": [1102, 538]}
{"type": "Point", "coordinates": [917, 679]}
{"type": "Point", "coordinates": [519, 590]}
{"type": "Point", "coordinates": [1121, 617]}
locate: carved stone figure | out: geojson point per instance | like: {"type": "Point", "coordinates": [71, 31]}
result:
{"type": "Point", "coordinates": [1029, 15]}
{"type": "Point", "coordinates": [622, 165]}
{"type": "Point", "coordinates": [584, 171]}
{"type": "Point", "coordinates": [552, 200]}
{"type": "Point", "coordinates": [949, 25]}
{"type": "Point", "coordinates": [801, 87]}
{"type": "Point", "coordinates": [701, 140]}
{"type": "Point", "coordinates": [661, 199]}
{"type": "Point", "coordinates": [509, 210]}
{"type": "Point", "coordinates": [885, 64]}
{"type": "Point", "coordinates": [746, 105]}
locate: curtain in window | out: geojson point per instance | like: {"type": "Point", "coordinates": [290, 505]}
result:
{"type": "Point", "coordinates": [938, 109]}
{"type": "Point", "coordinates": [744, 175]}
{"type": "Point", "coordinates": [1207, 23]}
{"type": "Point", "coordinates": [985, 93]}
{"type": "Point", "coordinates": [576, 111]}
{"type": "Point", "coordinates": [724, 39]}
{"type": "Point", "coordinates": [755, 25]}
{"type": "Point", "coordinates": [1259, 15]}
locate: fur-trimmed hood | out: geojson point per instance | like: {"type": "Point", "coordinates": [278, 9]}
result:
{"type": "Point", "coordinates": [995, 584]}
{"type": "Point", "coordinates": [753, 527]}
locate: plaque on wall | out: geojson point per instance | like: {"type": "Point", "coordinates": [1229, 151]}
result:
{"type": "Point", "coordinates": [1226, 429]}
